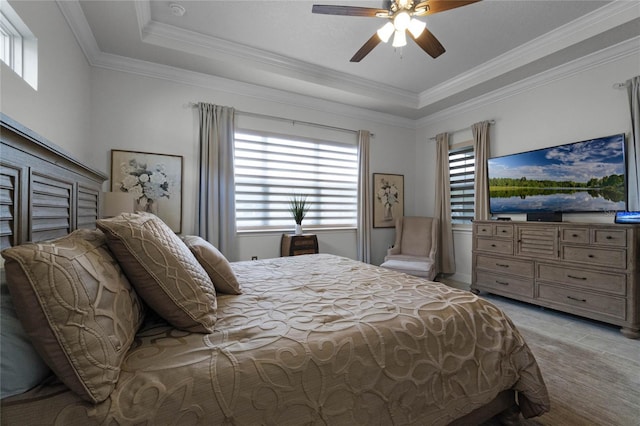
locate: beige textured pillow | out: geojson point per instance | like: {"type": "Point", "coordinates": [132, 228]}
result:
{"type": "Point", "coordinates": [78, 308]}
{"type": "Point", "coordinates": [214, 262]}
{"type": "Point", "coordinates": [163, 270]}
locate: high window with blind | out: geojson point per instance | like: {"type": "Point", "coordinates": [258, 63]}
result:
{"type": "Point", "coordinates": [18, 45]}
{"type": "Point", "coordinates": [461, 177]}
{"type": "Point", "coordinates": [271, 169]}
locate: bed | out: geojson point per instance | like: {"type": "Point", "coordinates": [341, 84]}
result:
{"type": "Point", "coordinates": [314, 339]}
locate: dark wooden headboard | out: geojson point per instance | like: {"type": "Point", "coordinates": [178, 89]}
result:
{"type": "Point", "coordinates": [44, 192]}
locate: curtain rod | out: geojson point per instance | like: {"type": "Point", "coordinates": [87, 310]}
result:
{"type": "Point", "coordinates": [293, 122]}
{"type": "Point", "coordinates": [492, 122]}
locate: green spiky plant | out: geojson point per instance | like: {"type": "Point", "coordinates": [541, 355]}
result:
{"type": "Point", "coordinates": [298, 207]}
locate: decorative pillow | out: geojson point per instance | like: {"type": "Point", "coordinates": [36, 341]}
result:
{"type": "Point", "coordinates": [163, 270]}
{"type": "Point", "coordinates": [77, 307]}
{"type": "Point", "coordinates": [214, 262]}
{"type": "Point", "coordinates": [21, 368]}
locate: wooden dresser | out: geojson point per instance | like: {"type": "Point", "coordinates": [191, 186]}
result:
{"type": "Point", "coordinates": [294, 245]}
{"type": "Point", "coordinates": [586, 269]}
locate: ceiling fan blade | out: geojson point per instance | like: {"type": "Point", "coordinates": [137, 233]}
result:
{"type": "Point", "coordinates": [347, 10]}
{"type": "Point", "coordinates": [366, 48]}
{"type": "Point", "coordinates": [429, 43]}
{"type": "Point", "coordinates": [435, 6]}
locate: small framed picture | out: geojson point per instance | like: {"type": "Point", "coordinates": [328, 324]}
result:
{"type": "Point", "coordinates": [153, 180]}
{"type": "Point", "coordinates": [388, 199]}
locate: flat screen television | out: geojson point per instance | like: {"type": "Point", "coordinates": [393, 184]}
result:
{"type": "Point", "coordinates": [586, 176]}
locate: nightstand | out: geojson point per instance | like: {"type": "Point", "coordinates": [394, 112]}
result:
{"type": "Point", "coordinates": [294, 245]}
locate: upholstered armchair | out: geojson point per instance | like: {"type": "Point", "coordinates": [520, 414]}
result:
{"type": "Point", "coordinates": [416, 247]}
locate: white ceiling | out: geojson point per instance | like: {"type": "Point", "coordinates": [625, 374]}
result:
{"type": "Point", "coordinates": [282, 45]}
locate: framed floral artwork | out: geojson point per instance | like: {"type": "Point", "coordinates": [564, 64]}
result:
{"type": "Point", "coordinates": [153, 180]}
{"type": "Point", "coordinates": [388, 199]}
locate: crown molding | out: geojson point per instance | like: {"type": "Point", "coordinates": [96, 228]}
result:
{"type": "Point", "coordinates": [610, 54]}
{"type": "Point", "coordinates": [221, 84]}
{"type": "Point", "coordinates": [607, 17]}
{"type": "Point", "coordinates": [72, 11]}
{"type": "Point", "coordinates": [172, 37]}
{"type": "Point", "coordinates": [598, 21]}
{"type": "Point", "coordinates": [73, 14]}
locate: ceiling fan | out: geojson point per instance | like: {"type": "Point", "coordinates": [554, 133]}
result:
{"type": "Point", "coordinates": [401, 19]}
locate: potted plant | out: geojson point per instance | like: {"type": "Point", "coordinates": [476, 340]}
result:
{"type": "Point", "coordinates": [298, 207]}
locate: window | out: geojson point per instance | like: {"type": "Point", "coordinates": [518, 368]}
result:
{"type": "Point", "coordinates": [461, 177]}
{"type": "Point", "coordinates": [18, 45]}
{"type": "Point", "coordinates": [11, 47]}
{"type": "Point", "coordinates": [270, 169]}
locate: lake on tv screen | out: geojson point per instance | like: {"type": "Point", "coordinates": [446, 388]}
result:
{"type": "Point", "coordinates": [575, 201]}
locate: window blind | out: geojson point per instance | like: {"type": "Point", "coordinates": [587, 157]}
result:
{"type": "Point", "coordinates": [270, 169]}
{"type": "Point", "coordinates": [461, 177]}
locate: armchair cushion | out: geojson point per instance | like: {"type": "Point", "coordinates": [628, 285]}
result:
{"type": "Point", "coordinates": [416, 267]}
{"type": "Point", "coordinates": [415, 248]}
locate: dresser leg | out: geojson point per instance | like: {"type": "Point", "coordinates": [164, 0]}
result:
{"type": "Point", "coordinates": [475, 291]}
{"type": "Point", "coordinates": [631, 333]}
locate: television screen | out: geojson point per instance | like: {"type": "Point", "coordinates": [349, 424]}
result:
{"type": "Point", "coordinates": [586, 176]}
{"type": "Point", "coordinates": [627, 217]}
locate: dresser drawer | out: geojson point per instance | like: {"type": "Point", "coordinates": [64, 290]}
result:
{"type": "Point", "coordinates": [609, 237]}
{"type": "Point", "coordinates": [494, 230]}
{"type": "Point", "coordinates": [503, 231]}
{"type": "Point", "coordinates": [303, 243]}
{"type": "Point", "coordinates": [521, 268]}
{"type": "Point", "coordinates": [495, 245]}
{"type": "Point", "coordinates": [485, 230]}
{"type": "Point", "coordinates": [575, 235]}
{"type": "Point", "coordinates": [504, 283]}
{"type": "Point", "coordinates": [602, 281]}
{"type": "Point", "coordinates": [294, 245]}
{"type": "Point", "coordinates": [611, 306]}
{"type": "Point", "coordinates": [595, 256]}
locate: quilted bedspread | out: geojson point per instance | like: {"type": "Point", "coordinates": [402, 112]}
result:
{"type": "Point", "coordinates": [314, 339]}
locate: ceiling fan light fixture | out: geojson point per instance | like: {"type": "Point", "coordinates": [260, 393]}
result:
{"type": "Point", "coordinates": [416, 27]}
{"type": "Point", "coordinates": [401, 21]}
{"type": "Point", "coordinates": [399, 39]}
{"type": "Point", "coordinates": [385, 31]}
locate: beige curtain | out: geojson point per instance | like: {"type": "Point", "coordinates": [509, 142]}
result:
{"type": "Point", "coordinates": [633, 145]}
{"type": "Point", "coordinates": [481, 184]}
{"type": "Point", "coordinates": [446, 258]}
{"type": "Point", "coordinates": [216, 220]}
{"type": "Point", "coordinates": [364, 198]}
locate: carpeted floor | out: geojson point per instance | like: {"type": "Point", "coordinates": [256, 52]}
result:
{"type": "Point", "coordinates": [592, 372]}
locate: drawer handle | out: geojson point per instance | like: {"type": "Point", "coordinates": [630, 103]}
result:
{"type": "Point", "coordinates": [503, 231]}
{"type": "Point", "coordinates": [502, 282]}
{"type": "Point", "coordinates": [502, 265]}
{"type": "Point", "coordinates": [574, 235]}
{"type": "Point", "coordinates": [609, 237]}
{"type": "Point", "coordinates": [576, 299]}
{"type": "Point", "coordinates": [484, 230]}
{"type": "Point", "coordinates": [576, 278]}
{"type": "Point", "coordinates": [493, 245]}
{"type": "Point", "coordinates": [591, 256]}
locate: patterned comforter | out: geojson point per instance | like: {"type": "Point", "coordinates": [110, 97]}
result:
{"type": "Point", "coordinates": [315, 339]}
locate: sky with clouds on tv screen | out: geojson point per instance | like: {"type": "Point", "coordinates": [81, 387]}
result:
{"type": "Point", "coordinates": [578, 162]}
